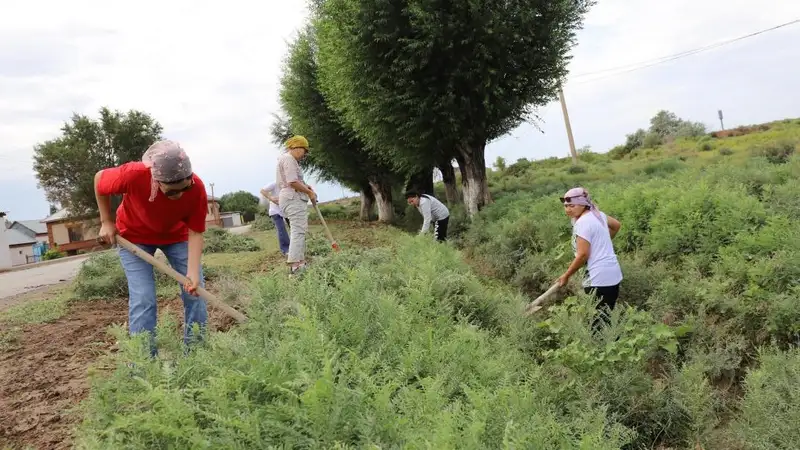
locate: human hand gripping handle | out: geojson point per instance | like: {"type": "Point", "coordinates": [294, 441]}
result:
{"type": "Point", "coordinates": [108, 233]}
{"type": "Point", "coordinates": [191, 283]}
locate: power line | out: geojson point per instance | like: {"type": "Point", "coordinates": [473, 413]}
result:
{"type": "Point", "coordinates": [652, 62]}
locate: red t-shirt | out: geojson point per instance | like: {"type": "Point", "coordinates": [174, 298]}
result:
{"type": "Point", "coordinates": [162, 221]}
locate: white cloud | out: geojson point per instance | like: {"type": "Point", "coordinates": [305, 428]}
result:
{"type": "Point", "coordinates": [209, 72]}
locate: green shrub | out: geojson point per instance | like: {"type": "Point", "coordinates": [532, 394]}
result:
{"type": "Point", "coordinates": [725, 151]}
{"type": "Point", "coordinates": [335, 211]}
{"type": "Point", "coordinates": [652, 140]}
{"type": "Point", "coordinates": [662, 168]}
{"type": "Point", "coordinates": [619, 152]}
{"type": "Point", "coordinates": [611, 367]}
{"type": "Point", "coordinates": [53, 253]}
{"type": "Point", "coordinates": [363, 351]}
{"type": "Point", "coordinates": [776, 152]}
{"type": "Point", "coordinates": [575, 169]}
{"type": "Point", "coordinates": [101, 277]}
{"type": "Point", "coordinates": [262, 222]}
{"type": "Point", "coordinates": [704, 146]}
{"type": "Point", "coordinates": [770, 410]}
{"type": "Point", "coordinates": [219, 240]}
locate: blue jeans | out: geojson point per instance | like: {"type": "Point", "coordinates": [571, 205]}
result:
{"type": "Point", "coordinates": [283, 236]}
{"type": "Point", "coordinates": [142, 305]}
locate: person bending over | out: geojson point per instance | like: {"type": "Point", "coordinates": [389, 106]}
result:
{"type": "Point", "coordinates": [433, 211]}
{"type": "Point", "coordinates": [163, 207]}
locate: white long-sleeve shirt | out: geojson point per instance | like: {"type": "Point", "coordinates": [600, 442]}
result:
{"type": "Point", "coordinates": [432, 210]}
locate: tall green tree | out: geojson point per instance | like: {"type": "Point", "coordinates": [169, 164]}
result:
{"type": "Point", "coordinates": [337, 154]}
{"type": "Point", "coordinates": [240, 201]}
{"type": "Point", "coordinates": [443, 75]}
{"type": "Point", "coordinates": [65, 166]}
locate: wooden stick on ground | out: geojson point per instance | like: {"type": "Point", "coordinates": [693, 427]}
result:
{"type": "Point", "coordinates": [536, 305]}
{"type": "Point", "coordinates": [334, 245]}
{"type": "Point", "coordinates": [201, 292]}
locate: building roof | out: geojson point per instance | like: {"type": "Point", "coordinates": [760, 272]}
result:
{"type": "Point", "coordinates": [59, 215]}
{"type": "Point", "coordinates": [34, 225]}
{"type": "Point", "coordinates": [16, 237]}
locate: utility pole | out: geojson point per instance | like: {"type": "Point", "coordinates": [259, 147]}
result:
{"type": "Point", "coordinates": [569, 128]}
{"type": "Point", "coordinates": [214, 205]}
{"type": "Point", "coordinates": [722, 125]}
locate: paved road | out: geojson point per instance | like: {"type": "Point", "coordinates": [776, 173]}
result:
{"type": "Point", "coordinates": [21, 281]}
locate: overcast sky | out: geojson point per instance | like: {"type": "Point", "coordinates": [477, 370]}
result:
{"type": "Point", "coordinates": [209, 72]}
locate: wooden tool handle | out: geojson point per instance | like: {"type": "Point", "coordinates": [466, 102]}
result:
{"type": "Point", "coordinates": [325, 226]}
{"type": "Point", "coordinates": [537, 304]}
{"type": "Point", "coordinates": [201, 292]}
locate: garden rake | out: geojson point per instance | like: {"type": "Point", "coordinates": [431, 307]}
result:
{"type": "Point", "coordinates": [334, 245]}
{"type": "Point", "coordinates": [201, 292]}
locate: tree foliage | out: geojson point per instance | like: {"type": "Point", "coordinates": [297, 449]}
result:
{"type": "Point", "coordinates": [241, 201]}
{"type": "Point", "coordinates": [65, 166]}
{"type": "Point", "coordinates": [336, 152]}
{"type": "Point", "coordinates": [417, 77]}
{"type": "Point", "coordinates": [665, 126]}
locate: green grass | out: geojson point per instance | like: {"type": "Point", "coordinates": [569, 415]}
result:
{"type": "Point", "coordinates": [37, 311]}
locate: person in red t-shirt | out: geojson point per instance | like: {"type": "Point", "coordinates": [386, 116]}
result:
{"type": "Point", "coordinates": [163, 207]}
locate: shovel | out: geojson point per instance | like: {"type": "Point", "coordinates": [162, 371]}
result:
{"type": "Point", "coordinates": [334, 245]}
{"type": "Point", "coordinates": [201, 292]}
{"type": "Point", "coordinates": [536, 305]}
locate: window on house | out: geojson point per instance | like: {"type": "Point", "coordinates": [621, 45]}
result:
{"type": "Point", "coordinates": [75, 233]}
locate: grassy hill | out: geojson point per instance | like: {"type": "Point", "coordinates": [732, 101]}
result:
{"type": "Point", "coordinates": [400, 343]}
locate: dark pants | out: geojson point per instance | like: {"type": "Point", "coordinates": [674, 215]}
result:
{"type": "Point", "coordinates": [280, 228]}
{"type": "Point", "coordinates": [607, 296]}
{"type": "Point", "coordinates": [440, 229]}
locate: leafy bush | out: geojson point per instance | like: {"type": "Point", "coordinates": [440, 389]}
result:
{"type": "Point", "coordinates": [776, 152]}
{"type": "Point", "coordinates": [651, 140]}
{"type": "Point", "coordinates": [53, 253]}
{"type": "Point", "coordinates": [725, 151]}
{"type": "Point", "coordinates": [336, 212]}
{"type": "Point", "coordinates": [661, 168]}
{"type": "Point", "coordinates": [518, 168]}
{"type": "Point", "coordinates": [262, 222]}
{"type": "Point", "coordinates": [576, 169]}
{"type": "Point", "coordinates": [101, 277]}
{"type": "Point", "coordinates": [771, 404]}
{"type": "Point", "coordinates": [219, 240]}
{"type": "Point", "coordinates": [364, 351]}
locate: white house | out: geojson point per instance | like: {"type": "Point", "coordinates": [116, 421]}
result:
{"type": "Point", "coordinates": [231, 219]}
{"type": "Point", "coordinates": [5, 252]}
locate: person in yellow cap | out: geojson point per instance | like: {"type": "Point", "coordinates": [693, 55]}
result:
{"type": "Point", "coordinates": [293, 197]}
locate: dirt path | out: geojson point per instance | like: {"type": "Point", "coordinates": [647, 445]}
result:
{"type": "Point", "coordinates": [45, 375]}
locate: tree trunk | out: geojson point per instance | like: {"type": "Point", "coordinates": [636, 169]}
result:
{"type": "Point", "coordinates": [421, 181]}
{"type": "Point", "coordinates": [367, 203]}
{"type": "Point", "coordinates": [449, 181]}
{"type": "Point", "coordinates": [472, 164]}
{"type": "Point", "coordinates": [382, 191]}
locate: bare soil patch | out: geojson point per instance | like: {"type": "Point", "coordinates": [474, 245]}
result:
{"type": "Point", "coordinates": [45, 374]}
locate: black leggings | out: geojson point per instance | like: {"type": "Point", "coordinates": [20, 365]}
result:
{"type": "Point", "coordinates": [440, 229]}
{"type": "Point", "coordinates": [608, 299]}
